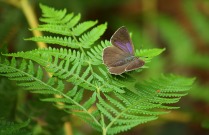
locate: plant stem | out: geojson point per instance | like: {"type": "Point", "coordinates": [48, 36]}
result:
{"type": "Point", "coordinates": [32, 20]}
{"type": "Point", "coordinates": [104, 131]}
{"type": "Point", "coordinates": [81, 48]}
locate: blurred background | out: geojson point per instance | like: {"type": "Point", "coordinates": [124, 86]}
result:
{"type": "Point", "coordinates": [180, 26]}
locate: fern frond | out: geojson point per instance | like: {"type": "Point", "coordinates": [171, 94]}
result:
{"type": "Point", "coordinates": [95, 53]}
{"type": "Point", "coordinates": [70, 32]}
{"type": "Point", "coordinates": [87, 40]}
{"type": "Point", "coordinates": [26, 76]}
{"type": "Point", "coordinates": [148, 54]}
{"type": "Point", "coordinates": [32, 80]}
{"type": "Point", "coordinates": [41, 55]}
{"type": "Point", "coordinates": [65, 30]}
{"type": "Point", "coordinates": [49, 12]}
{"type": "Point", "coordinates": [122, 128]}
{"type": "Point", "coordinates": [50, 18]}
{"type": "Point", "coordinates": [68, 100]}
{"type": "Point", "coordinates": [11, 128]}
{"type": "Point", "coordinates": [88, 120]}
{"type": "Point", "coordinates": [73, 21]}
{"type": "Point", "coordinates": [108, 84]}
{"type": "Point", "coordinates": [82, 27]}
{"type": "Point", "coordinates": [72, 92]}
{"type": "Point", "coordinates": [67, 65]}
{"type": "Point", "coordinates": [90, 101]}
{"type": "Point", "coordinates": [62, 41]}
{"type": "Point", "coordinates": [130, 109]}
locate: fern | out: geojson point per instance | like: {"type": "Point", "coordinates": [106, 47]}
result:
{"type": "Point", "coordinates": [60, 65]}
{"type": "Point", "coordinates": [116, 103]}
{"type": "Point", "coordinates": [10, 128]}
{"type": "Point", "coordinates": [73, 33]}
{"type": "Point", "coordinates": [149, 53]}
{"type": "Point", "coordinates": [130, 109]}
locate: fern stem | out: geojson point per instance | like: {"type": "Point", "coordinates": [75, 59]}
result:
{"type": "Point", "coordinates": [91, 69]}
{"type": "Point", "coordinates": [68, 128]}
{"type": "Point", "coordinates": [31, 18]}
{"type": "Point", "coordinates": [77, 76]}
{"type": "Point", "coordinates": [78, 44]}
{"type": "Point", "coordinates": [104, 130]}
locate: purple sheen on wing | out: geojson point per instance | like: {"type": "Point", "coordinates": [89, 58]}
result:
{"type": "Point", "coordinates": [130, 48]}
{"type": "Point", "coordinates": [126, 47]}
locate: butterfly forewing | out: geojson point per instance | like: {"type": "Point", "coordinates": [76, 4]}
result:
{"type": "Point", "coordinates": [113, 55]}
{"type": "Point", "coordinates": [122, 40]}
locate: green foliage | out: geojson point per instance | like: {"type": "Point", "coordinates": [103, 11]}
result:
{"type": "Point", "coordinates": [185, 53]}
{"type": "Point", "coordinates": [115, 103]}
{"type": "Point", "coordinates": [127, 110]}
{"type": "Point", "coordinates": [188, 48]}
{"type": "Point", "coordinates": [200, 93]}
{"type": "Point", "coordinates": [10, 128]}
{"type": "Point", "coordinates": [149, 53]}
{"type": "Point", "coordinates": [73, 34]}
{"type": "Point", "coordinates": [8, 98]}
{"type": "Point", "coordinates": [198, 20]}
{"type": "Point", "coordinates": [205, 123]}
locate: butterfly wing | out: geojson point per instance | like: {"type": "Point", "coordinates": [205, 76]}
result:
{"type": "Point", "coordinates": [112, 56]}
{"type": "Point", "coordinates": [136, 63]}
{"type": "Point", "coordinates": [115, 57]}
{"type": "Point", "coordinates": [119, 69]}
{"type": "Point", "coordinates": [121, 39]}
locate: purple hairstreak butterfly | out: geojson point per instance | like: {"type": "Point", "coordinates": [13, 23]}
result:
{"type": "Point", "coordinates": [120, 58]}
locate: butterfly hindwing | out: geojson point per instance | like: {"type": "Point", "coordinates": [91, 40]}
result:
{"type": "Point", "coordinates": [136, 63]}
{"type": "Point", "coordinates": [118, 70]}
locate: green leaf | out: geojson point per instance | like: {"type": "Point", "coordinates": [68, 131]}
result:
{"type": "Point", "coordinates": [149, 54]}
{"type": "Point", "coordinates": [132, 108]}
{"type": "Point", "coordinates": [11, 128]}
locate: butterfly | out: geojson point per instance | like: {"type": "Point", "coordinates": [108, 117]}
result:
{"type": "Point", "coordinates": [120, 58]}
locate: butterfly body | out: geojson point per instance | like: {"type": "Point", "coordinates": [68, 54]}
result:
{"type": "Point", "coordinates": [120, 58]}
